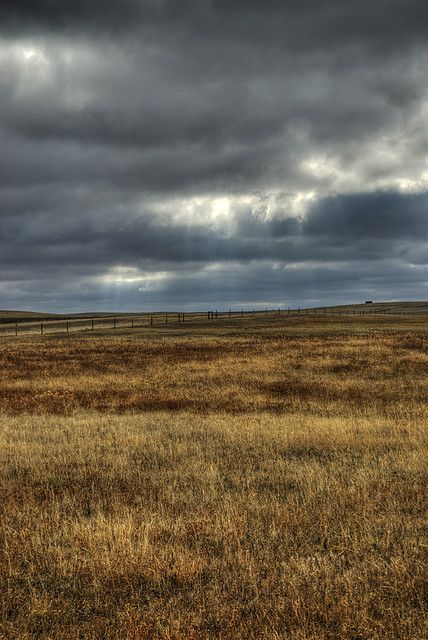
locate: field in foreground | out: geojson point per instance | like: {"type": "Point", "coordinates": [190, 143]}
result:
{"type": "Point", "coordinates": [266, 480]}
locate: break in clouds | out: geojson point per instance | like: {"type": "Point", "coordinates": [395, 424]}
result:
{"type": "Point", "coordinates": [190, 154]}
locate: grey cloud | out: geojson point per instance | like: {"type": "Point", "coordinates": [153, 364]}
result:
{"type": "Point", "coordinates": [206, 108]}
{"type": "Point", "coordinates": [114, 116]}
{"type": "Point", "coordinates": [57, 15]}
{"type": "Point", "coordinates": [321, 22]}
{"type": "Point", "coordinates": [370, 216]}
{"type": "Point", "coordinates": [358, 227]}
{"type": "Point", "coordinates": [256, 285]}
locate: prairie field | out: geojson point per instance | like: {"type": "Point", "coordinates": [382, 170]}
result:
{"type": "Point", "coordinates": [254, 479]}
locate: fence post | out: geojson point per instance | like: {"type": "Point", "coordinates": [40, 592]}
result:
{"type": "Point", "coordinates": [92, 324]}
{"type": "Point", "coordinates": [216, 314]}
{"type": "Point", "coordinates": [16, 329]}
{"type": "Point", "coordinates": [166, 318]}
{"type": "Point", "coordinates": [114, 323]}
{"type": "Point", "coordinates": [151, 321]}
{"type": "Point", "coordinates": [230, 313]}
{"type": "Point", "coordinates": [242, 313]}
{"type": "Point", "coordinates": [67, 326]}
{"type": "Point", "coordinates": [41, 328]}
{"type": "Point", "coordinates": [132, 322]}
{"type": "Point", "coordinates": [182, 317]}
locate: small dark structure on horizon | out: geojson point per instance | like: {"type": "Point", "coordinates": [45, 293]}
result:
{"type": "Point", "coordinates": [369, 302]}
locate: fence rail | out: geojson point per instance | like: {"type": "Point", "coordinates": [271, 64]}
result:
{"type": "Point", "coordinates": [44, 326]}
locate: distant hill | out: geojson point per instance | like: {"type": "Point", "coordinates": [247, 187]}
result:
{"type": "Point", "coordinates": [8, 316]}
{"type": "Point", "coordinates": [401, 307]}
{"type": "Point", "coordinates": [12, 316]}
{"type": "Point", "coordinates": [416, 307]}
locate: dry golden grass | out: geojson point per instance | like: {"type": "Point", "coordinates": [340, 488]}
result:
{"type": "Point", "coordinates": [320, 367]}
{"type": "Point", "coordinates": [256, 481]}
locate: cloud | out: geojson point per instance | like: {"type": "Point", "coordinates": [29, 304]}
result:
{"type": "Point", "coordinates": [371, 216]}
{"type": "Point", "coordinates": [241, 148]}
{"type": "Point", "coordinates": [316, 23]}
{"type": "Point", "coordinates": [341, 242]}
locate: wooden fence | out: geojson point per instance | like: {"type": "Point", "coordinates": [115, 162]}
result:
{"type": "Point", "coordinates": [19, 326]}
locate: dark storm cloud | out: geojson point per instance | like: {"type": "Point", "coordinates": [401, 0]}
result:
{"type": "Point", "coordinates": [209, 94]}
{"type": "Point", "coordinates": [228, 288]}
{"type": "Point", "coordinates": [320, 22]}
{"type": "Point", "coordinates": [377, 216]}
{"type": "Point", "coordinates": [121, 121]}
{"type": "Point", "coordinates": [358, 227]}
{"type": "Point", "coordinates": [17, 17]}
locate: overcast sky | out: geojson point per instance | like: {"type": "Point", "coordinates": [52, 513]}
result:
{"type": "Point", "coordinates": [164, 154]}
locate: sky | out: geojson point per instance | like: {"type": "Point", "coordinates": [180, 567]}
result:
{"type": "Point", "coordinates": [198, 154]}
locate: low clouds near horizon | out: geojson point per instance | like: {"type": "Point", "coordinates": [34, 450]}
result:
{"type": "Point", "coordinates": [160, 154]}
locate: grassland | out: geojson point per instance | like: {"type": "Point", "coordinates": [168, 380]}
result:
{"type": "Point", "coordinates": [264, 478]}
{"type": "Point", "coordinates": [29, 322]}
